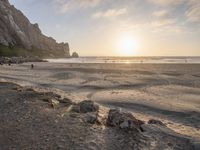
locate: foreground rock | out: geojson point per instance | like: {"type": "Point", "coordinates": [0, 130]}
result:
{"type": "Point", "coordinates": [123, 120]}
{"type": "Point", "coordinates": [157, 122]}
{"type": "Point", "coordinates": [17, 31]}
{"type": "Point", "coordinates": [86, 106]}
{"type": "Point", "coordinates": [91, 118]}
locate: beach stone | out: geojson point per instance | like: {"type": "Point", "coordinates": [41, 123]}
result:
{"type": "Point", "coordinates": [156, 122]}
{"type": "Point", "coordinates": [124, 124]}
{"type": "Point", "coordinates": [53, 102]}
{"type": "Point", "coordinates": [88, 106]}
{"type": "Point", "coordinates": [101, 119]}
{"type": "Point", "coordinates": [91, 118]}
{"type": "Point", "coordinates": [123, 120]}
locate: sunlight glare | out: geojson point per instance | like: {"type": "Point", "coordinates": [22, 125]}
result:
{"type": "Point", "coordinates": [127, 46]}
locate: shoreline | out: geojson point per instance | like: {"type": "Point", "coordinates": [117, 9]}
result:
{"type": "Point", "coordinates": [130, 60]}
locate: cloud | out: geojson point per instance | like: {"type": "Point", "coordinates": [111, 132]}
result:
{"type": "Point", "coordinates": [111, 13]}
{"type": "Point", "coordinates": [168, 2]}
{"type": "Point", "coordinates": [161, 13]}
{"type": "Point", "coordinates": [193, 14]}
{"type": "Point", "coordinates": [162, 19]}
{"type": "Point", "coordinates": [64, 5]}
{"type": "Point", "coordinates": [163, 22]}
{"type": "Point", "coordinates": [174, 2]}
{"type": "Point", "coordinates": [193, 2]}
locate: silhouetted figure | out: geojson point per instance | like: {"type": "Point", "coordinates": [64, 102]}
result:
{"type": "Point", "coordinates": [9, 63]}
{"type": "Point", "coordinates": [186, 61]}
{"type": "Point", "coordinates": [32, 66]}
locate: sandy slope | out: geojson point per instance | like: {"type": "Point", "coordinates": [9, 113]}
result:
{"type": "Point", "coordinates": [170, 92]}
{"type": "Point", "coordinates": [28, 121]}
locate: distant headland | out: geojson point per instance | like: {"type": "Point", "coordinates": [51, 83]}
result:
{"type": "Point", "coordinates": [18, 37]}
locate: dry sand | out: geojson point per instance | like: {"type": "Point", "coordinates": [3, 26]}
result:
{"type": "Point", "coordinates": [168, 92]}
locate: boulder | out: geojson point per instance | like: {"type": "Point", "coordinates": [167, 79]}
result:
{"type": "Point", "coordinates": [156, 122]}
{"type": "Point", "coordinates": [88, 106]}
{"type": "Point", "coordinates": [123, 120]}
{"type": "Point", "coordinates": [91, 118]}
{"type": "Point", "coordinates": [75, 55]}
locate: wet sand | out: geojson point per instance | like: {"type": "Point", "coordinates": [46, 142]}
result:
{"type": "Point", "coordinates": [168, 92]}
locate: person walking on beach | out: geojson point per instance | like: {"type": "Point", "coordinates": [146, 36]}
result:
{"type": "Point", "coordinates": [9, 63]}
{"type": "Point", "coordinates": [32, 66]}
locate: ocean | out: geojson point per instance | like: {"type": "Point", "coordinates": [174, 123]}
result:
{"type": "Point", "coordinates": [128, 60]}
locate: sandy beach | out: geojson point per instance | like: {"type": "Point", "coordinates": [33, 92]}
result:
{"type": "Point", "coordinates": [167, 92]}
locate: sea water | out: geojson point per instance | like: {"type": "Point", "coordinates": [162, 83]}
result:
{"type": "Point", "coordinates": [178, 60]}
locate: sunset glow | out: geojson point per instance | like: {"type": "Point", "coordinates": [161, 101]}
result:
{"type": "Point", "coordinates": [127, 46]}
{"type": "Point", "coordinates": [95, 27]}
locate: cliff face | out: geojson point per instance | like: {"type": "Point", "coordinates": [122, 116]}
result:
{"type": "Point", "coordinates": [16, 30]}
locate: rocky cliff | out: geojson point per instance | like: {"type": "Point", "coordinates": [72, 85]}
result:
{"type": "Point", "coordinates": [17, 31]}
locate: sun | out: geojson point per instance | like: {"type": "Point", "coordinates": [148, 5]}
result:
{"type": "Point", "coordinates": [127, 46]}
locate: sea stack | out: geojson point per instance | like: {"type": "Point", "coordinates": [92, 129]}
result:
{"type": "Point", "coordinates": [75, 55]}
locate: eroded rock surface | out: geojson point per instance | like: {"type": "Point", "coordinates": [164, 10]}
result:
{"type": "Point", "coordinates": [16, 30]}
{"type": "Point", "coordinates": [157, 122]}
{"type": "Point", "coordinates": [123, 120]}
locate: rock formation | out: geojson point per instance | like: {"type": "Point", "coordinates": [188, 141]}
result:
{"type": "Point", "coordinates": [17, 31]}
{"type": "Point", "coordinates": [75, 55]}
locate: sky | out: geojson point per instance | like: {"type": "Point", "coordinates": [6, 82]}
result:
{"type": "Point", "coordinates": [119, 27]}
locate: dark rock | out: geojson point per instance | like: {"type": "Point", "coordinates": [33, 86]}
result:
{"type": "Point", "coordinates": [75, 55]}
{"type": "Point", "coordinates": [91, 118]}
{"type": "Point", "coordinates": [123, 120]}
{"type": "Point", "coordinates": [88, 106]}
{"type": "Point", "coordinates": [156, 122]}
{"type": "Point", "coordinates": [65, 101]}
